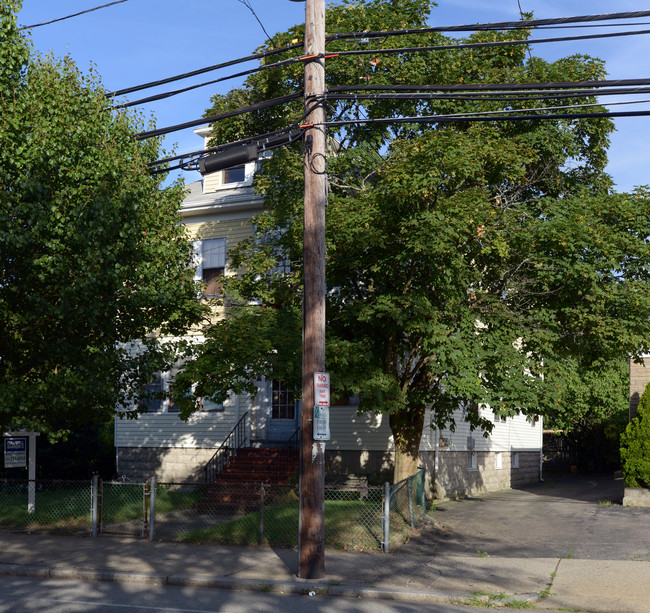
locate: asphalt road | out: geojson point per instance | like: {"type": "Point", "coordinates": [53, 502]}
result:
{"type": "Point", "coordinates": [25, 595]}
{"type": "Point", "coordinates": [580, 517]}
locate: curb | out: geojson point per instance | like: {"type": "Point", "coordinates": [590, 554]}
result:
{"type": "Point", "coordinates": [226, 583]}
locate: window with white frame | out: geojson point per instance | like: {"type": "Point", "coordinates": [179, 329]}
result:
{"type": "Point", "coordinates": [211, 263]}
{"type": "Point", "coordinates": [151, 399]}
{"type": "Point", "coordinates": [236, 174]}
{"type": "Point", "coordinates": [230, 178]}
{"type": "Point", "coordinates": [210, 406]}
{"type": "Point", "coordinates": [157, 397]}
{"type": "Point", "coordinates": [498, 460]}
{"type": "Point", "coordinates": [472, 460]}
{"type": "Point", "coordinates": [515, 459]}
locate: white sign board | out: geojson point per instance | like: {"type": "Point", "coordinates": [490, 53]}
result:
{"type": "Point", "coordinates": [15, 452]}
{"type": "Point", "coordinates": [321, 423]}
{"type": "Point", "coordinates": [322, 389]}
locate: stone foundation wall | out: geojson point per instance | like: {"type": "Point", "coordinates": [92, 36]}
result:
{"type": "Point", "coordinates": [455, 479]}
{"type": "Point", "coordinates": [167, 464]}
{"type": "Point", "coordinates": [639, 378]}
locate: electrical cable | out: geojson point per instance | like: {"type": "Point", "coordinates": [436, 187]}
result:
{"type": "Point", "coordinates": [45, 23]}
{"type": "Point", "coordinates": [484, 118]}
{"type": "Point", "coordinates": [494, 86]}
{"type": "Point", "coordinates": [334, 91]}
{"type": "Point", "coordinates": [497, 25]}
{"type": "Point", "coordinates": [261, 140]}
{"type": "Point", "coordinates": [193, 73]}
{"type": "Point", "coordinates": [490, 96]}
{"type": "Point", "coordinates": [371, 52]}
{"type": "Point", "coordinates": [379, 34]}
{"type": "Point", "coordinates": [501, 43]}
{"type": "Point", "coordinates": [240, 111]}
{"type": "Point", "coordinates": [249, 6]}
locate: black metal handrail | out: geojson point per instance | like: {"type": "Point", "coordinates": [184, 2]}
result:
{"type": "Point", "coordinates": [235, 440]}
{"type": "Point", "coordinates": [294, 440]}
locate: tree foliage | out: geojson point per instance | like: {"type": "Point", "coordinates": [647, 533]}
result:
{"type": "Point", "coordinates": [635, 445]}
{"type": "Point", "coordinates": [461, 258]}
{"type": "Point", "coordinates": [92, 254]}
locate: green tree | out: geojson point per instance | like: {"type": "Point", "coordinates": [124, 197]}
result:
{"type": "Point", "coordinates": [635, 445]}
{"type": "Point", "coordinates": [92, 255]}
{"type": "Point", "coordinates": [461, 258]}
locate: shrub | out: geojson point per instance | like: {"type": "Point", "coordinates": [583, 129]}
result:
{"type": "Point", "coordinates": [635, 445]}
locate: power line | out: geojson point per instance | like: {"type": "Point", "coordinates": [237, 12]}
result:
{"type": "Point", "coordinates": [497, 25]}
{"type": "Point", "coordinates": [199, 122]}
{"type": "Point", "coordinates": [263, 142]}
{"type": "Point", "coordinates": [193, 73]}
{"type": "Point", "coordinates": [500, 43]}
{"type": "Point", "coordinates": [494, 86]}
{"type": "Point", "coordinates": [490, 96]}
{"type": "Point", "coordinates": [383, 34]}
{"type": "Point", "coordinates": [297, 59]}
{"type": "Point", "coordinates": [45, 23]}
{"type": "Point", "coordinates": [460, 118]}
{"type": "Point", "coordinates": [248, 5]}
{"type": "Point", "coordinates": [333, 92]}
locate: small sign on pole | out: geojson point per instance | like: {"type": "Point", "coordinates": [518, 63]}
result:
{"type": "Point", "coordinates": [322, 389]}
{"type": "Point", "coordinates": [15, 452]}
{"type": "Point", "coordinates": [321, 423]}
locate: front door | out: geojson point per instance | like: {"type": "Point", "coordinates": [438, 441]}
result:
{"type": "Point", "coordinates": [283, 418]}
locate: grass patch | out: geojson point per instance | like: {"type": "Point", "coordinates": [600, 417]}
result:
{"type": "Point", "coordinates": [500, 599]}
{"type": "Point", "coordinates": [349, 524]}
{"type": "Point", "coordinates": [69, 508]}
{"type": "Point", "coordinates": [62, 509]}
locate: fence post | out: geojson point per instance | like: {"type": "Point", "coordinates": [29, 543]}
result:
{"type": "Point", "coordinates": [260, 538]}
{"type": "Point", "coordinates": [94, 493]}
{"type": "Point", "coordinates": [145, 509]}
{"type": "Point", "coordinates": [152, 507]}
{"type": "Point", "coordinates": [386, 517]}
{"type": "Point", "coordinates": [409, 489]}
{"type": "Point", "coordinates": [100, 505]}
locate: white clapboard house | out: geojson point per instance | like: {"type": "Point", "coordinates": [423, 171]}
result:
{"type": "Point", "coordinates": [218, 211]}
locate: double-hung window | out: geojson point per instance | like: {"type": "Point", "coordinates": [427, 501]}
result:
{"type": "Point", "coordinates": [211, 263]}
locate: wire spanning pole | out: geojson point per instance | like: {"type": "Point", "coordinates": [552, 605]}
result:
{"type": "Point", "coordinates": [312, 461]}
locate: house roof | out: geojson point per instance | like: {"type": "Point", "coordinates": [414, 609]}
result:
{"type": "Point", "coordinates": [240, 198]}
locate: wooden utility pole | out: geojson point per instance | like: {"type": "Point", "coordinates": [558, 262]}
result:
{"type": "Point", "coordinates": [312, 459]}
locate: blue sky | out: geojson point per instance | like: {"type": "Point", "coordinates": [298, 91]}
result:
{"type": "Point", "coordinates": [143, 40]}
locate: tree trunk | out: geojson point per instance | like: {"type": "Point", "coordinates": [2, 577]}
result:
{"type": "Point", "coordinates": [407, 427]}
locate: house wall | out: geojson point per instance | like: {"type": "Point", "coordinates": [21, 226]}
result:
{"type": "Point", "coordinates": [164, 445]}
{"type": "Point", "coordinates": [455, 479]}
{"type": "Point", "coordinates": [362, 443]}
{"type": "Point", "coordinates": [639, 378]}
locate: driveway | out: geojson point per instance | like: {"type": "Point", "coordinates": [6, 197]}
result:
{"type": "Point", "coordinates": [562, 517]}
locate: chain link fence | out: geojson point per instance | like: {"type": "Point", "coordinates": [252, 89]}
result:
{"type": "Point", "coordinates": [58, 506]}
{"type": "Point", "coordinates": [357, 516]}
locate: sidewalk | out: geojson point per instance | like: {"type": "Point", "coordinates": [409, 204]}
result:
{"type": "Point", "coordinates": [611, 586]}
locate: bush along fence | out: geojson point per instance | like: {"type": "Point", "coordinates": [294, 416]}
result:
{"type": "Point", "coordinates": [357, 516]}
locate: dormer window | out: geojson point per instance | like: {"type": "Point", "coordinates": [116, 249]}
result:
{"type": "Point", "coordinates": [230, 178]}
{"type": "Point", "coordinates": [236, 174]}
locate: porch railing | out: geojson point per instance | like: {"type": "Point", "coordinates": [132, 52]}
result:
{"type": "Point", "coordinates": [237, 438]}
{"type": "Point", "coordinates": [294, 440]}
